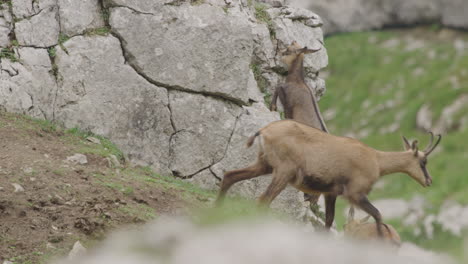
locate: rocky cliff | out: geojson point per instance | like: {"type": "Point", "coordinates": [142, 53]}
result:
{"type": "Point", "coordinates": [178, 84]}
{"type": "Point", "coordinates": [358, 15]}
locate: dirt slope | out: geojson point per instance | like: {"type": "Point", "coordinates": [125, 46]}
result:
{"type": "Point", "coordinates": [63, 201]}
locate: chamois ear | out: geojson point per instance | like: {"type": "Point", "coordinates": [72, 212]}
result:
{"type": "Point", "coordinates": [414, 147]}
{"type": "Point", "coordinates": [365, 219]}
{"type": "Point", "coordinates": [406, 143]}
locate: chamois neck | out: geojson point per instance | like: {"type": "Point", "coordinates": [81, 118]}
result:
{"type": "Point", "coordinates": [296, 71]}
{"type": "Point", "coordinates": [392, 162]}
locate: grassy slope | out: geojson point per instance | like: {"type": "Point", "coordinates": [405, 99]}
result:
{"type": "Point", "coordinates": [366, 67]}
{"type": "Point", "coordinates": [128, 183]}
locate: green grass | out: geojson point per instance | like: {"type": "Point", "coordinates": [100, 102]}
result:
{"type": "Point", "coordinates": [364, 70]}
{"type": "Point", "coordinates": [52, 52]}
{"type": "Point", "coordinates": [8, 53]}
{"type": "Point", "coordinates": [261, 83]}
{"type": "Point", "coordinates": [105, 149]}
{"type": "Point", "coordinates": [142, 212]}
{"type": "Point", "coordinates": [262, 15]}
{"type": "Point", "coordinates": [103, 31]}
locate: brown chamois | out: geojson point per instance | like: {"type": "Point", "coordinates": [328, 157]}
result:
{"type": "Point", "coordinates": [316, 162]}
{"type": "Point", "coordinates": [298, 101]}
{"type": "Point", "coordinates": [361, 229]}
{"type": "Point", "coordinates": [297, 98]}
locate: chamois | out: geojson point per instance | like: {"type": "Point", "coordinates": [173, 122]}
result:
{"type": "Point", "coordinates": [298, 100]}
{"type": "Point", "coordinates": [361, 229]}
{"type": "Point", "coordinates": [317, 162]}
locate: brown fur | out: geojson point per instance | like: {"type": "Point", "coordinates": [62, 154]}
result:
{"type": "Point", "coordinates": [325, 164]}
{"type": "Point", "coordinates": [296, 97]}
{"type": "Point", "coordinates": [361, 229]}
{"type": "Point", "coordinates": [298, 100]}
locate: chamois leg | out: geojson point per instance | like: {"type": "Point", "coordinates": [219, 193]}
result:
{"type": "Point", "coordinates": [288, 113]}
{"type": "Point", "coordinates": [277, 185]}
{"type": "Point", "coordinates": [312, 198]}
{"type": "Point", "coordinates": [330, 201]}
{"type": "Point", "coordinates": [231, 177]}
{"type": "Point", "coordinates": [365, 205]}
{"type": "Point", "coordinates": [274, 99]}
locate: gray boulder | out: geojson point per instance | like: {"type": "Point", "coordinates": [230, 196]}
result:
{"type": "Point", "coordinates": [27, 86]}
{"type": "Point", "coordinates": [176, 34]}
{"type": "Point", "coordinates": [455, 13]}
{"type": "Point", "coordinates": [264, 241]}
{"type": "Point", "coordinates": [304, 27]}
{"type": "Point", "coordinates": [203, 128]}
{"type": "Point", "coordinates": [102, 94]}
{"type": "Point", "coordinates": [78, 16]}
{"type": "Point", "coordinates": [40, 30]}
{"type": "Point", "coordinates": [5, 25]}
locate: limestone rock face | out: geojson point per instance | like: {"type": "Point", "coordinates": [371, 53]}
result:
{"type": "Point", "coordinates": [455, 13]}
{"type": "Point", "coordinates": [221, 67]}
{"type": "Point", "coordinates": [78, 16]}
{"type": "Point", "coordinates": [27, 86]}
{"type": "Point", "coordinates": [176, 85]}
{"type": "Point", "coordinates": [203, 129]}
{"type": "Point", "coordinates": [102, 94]}
{"type": "Point", "coordinates": [40, 30]}
{"type": "Point", "coordinates": [304, 27]}
{"type": "Point", "coordinates": [5, 25]}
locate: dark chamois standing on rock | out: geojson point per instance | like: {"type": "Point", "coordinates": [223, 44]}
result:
{"type": "Point", "coordinates": [297, 98]}
{"type": "Point", "coordinates": [316, 162]}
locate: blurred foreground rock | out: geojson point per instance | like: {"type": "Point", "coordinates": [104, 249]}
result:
{"type": "Point", "coordinates": [270, 242]}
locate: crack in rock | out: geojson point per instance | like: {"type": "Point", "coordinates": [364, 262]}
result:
{"type": "Point", "coordinates": [132, 9]}
{"type": "Point", "coordinates": [129, 58]}
{"type": "Point", "coordinates": [218, 96]}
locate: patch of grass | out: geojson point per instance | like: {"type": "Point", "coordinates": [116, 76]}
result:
{"type": "Point", "coordinates": [261, 82]}
{"type": "Point", "coordinates": [105, 14]}
{"type": "Point", "coordinates": [197, 2]}
{"type": "Point", "coordinates": [105, 149]}
{"type": "Point", "coordinates": [142, 212]}
{"type": "Point", "coordinates": [127, 190]}
{"type": "Point", "coordinates": [8, 53]}
{"type": "Point", "coordinates": [103, 31]}
{"type": "Point", "coordinates": [45, 125]}
{"type": "Point", "coordinates": [262, 15]}
{"type": "Point", "coordinates": [14, 43]}
{"type": "Point", "coordinates": [59, 172]}
{"type": "Point", "coordinates": [61, 40]}
{"type": "Point", "coordinates": [52, 52]}
{"type": "Point", "coordinates": [234, 209]}
{"type": "Point", "coordinates": [8, 2]}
